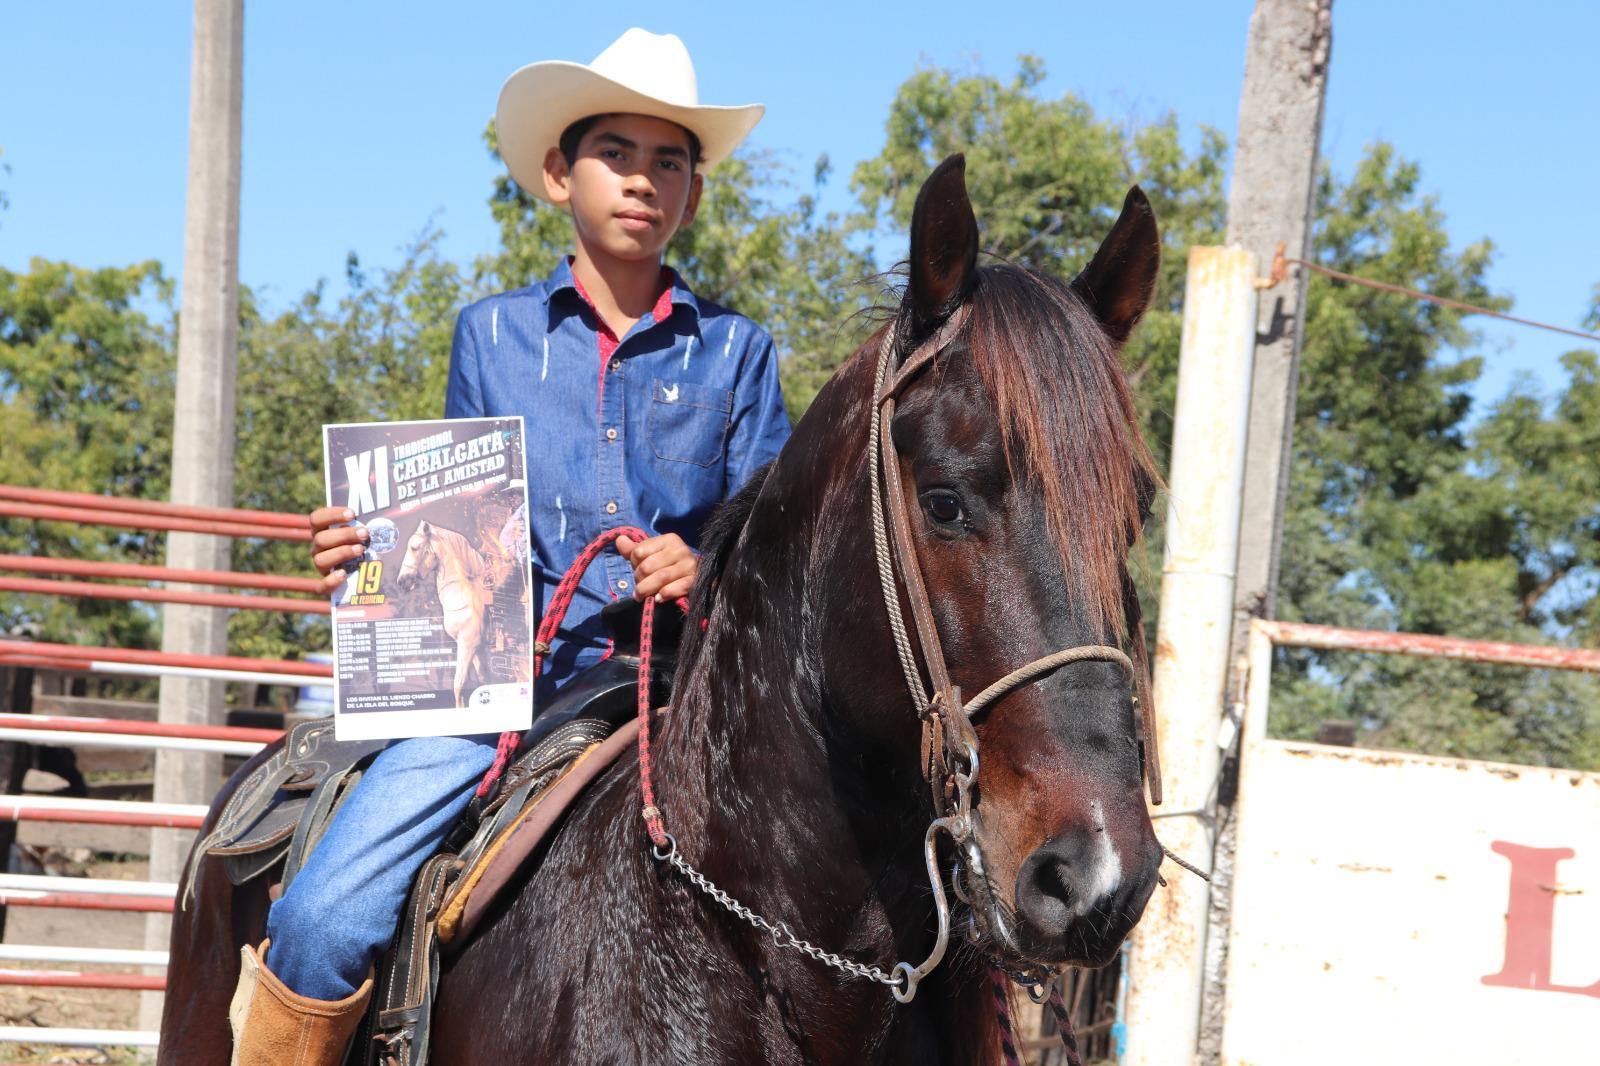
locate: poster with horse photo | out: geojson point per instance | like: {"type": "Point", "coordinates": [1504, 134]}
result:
{"type": "Point", "coordinates": [433, 629]}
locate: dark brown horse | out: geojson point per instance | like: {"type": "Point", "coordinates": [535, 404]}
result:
{"type": "Point", "coordinates": [790, 769]}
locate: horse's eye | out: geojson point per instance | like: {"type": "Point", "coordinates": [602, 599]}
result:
{"type": "Point", "coordinates": [943, 507]}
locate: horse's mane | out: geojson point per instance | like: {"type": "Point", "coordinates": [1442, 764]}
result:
{"type": "Point", "coordinates": [1067, 422]}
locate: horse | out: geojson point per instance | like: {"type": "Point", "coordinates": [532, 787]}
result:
{"type": "Point", "coordinates": [816, 799]}
{"type": "Point", "coordinates": [457, 571]}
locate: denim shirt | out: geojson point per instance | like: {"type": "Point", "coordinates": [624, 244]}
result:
{"type": "Point", "coordinates": [651, 430]}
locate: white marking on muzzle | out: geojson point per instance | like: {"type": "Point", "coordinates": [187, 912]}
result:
{"type": "Point", "coordinates": [1105, 872]}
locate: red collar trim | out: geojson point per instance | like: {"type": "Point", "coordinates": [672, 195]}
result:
{"type": "Point", "coordinates": [658, 314]}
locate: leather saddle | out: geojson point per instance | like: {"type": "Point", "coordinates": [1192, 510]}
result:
{"type": "Point", "coordinates": [280, 810]}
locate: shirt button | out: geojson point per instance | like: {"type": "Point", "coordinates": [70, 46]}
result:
{"type": "Point", "coordinates": [616, 365]}
{"type": "Point", "coordinates": [623, 585]}
{"type": "Point", "coordinates": [611, 434]}
{"type": "Point", "coordinates": [611, 508]}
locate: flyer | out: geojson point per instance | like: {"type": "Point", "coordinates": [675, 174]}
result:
{"type": "Point", "coordinates": [433, 629]}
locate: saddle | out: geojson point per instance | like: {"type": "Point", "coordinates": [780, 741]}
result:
{"type": "Point", "coordinates": [280, 810]}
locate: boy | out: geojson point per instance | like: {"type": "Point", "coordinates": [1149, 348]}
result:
{"type": "Point", "coordinates": [643, 406]}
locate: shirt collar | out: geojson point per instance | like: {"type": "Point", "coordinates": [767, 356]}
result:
{"type": "Point", "coordinates": [676, 292]}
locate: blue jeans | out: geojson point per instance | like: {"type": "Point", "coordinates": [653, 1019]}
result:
{"type": "Point", "coordinates": [341, 910]}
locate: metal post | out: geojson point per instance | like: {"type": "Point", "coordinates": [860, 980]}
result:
{"type": "Point", "coordinates": [1271, 201]}
{"type": "Point", "coordinates": [1208, 449]}
{"type": "Point", "coordinates": [202, 445]}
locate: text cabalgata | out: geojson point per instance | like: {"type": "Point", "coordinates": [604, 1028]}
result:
{"type": "Point", "coordinates": [420, 466]}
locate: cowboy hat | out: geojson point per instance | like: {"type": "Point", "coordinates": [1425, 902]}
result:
{"type": "Point", "coordinates": [641, 73]}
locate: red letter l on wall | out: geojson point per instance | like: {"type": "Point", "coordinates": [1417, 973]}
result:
{"type": "Point", "coordinates": [1530, 920]}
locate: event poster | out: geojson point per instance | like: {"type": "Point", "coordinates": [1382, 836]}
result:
{"type": "Point", "coordinates": [433, 629]}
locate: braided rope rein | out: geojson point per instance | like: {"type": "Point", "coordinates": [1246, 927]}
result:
{"type": "Point", "coordinates": [550, 624]}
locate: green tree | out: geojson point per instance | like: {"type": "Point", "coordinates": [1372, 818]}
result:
{"type": "Point", "coordinates": [1403, 515]}
{"type": "Point", "coordinates": [86, 380]}
{"type": "Point", "coordinates": [1048, 178]}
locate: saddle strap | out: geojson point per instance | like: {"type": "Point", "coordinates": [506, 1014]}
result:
{"type": "Point", "coordinates": [408, 976]}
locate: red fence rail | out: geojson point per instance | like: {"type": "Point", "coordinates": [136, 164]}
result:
{"type": "Point", "coordinates": [147, 520]}
{"type": "Point", "coordinates": [45, 577]}
{"type": "Point", "coordinates": [64, 724]}
{"type": "Point", "coordinates": [72, 979]}
{"type": "Point", "coordinates": [94, 501]}
{"type": "Point", "coordinates": [138, 571]}
{"type": "Point", "coordinates": [145, 594]}
{"type": "Point", "coordinates": [1427, 646]}
{"type": "Point", "coordinates": [85, 652]}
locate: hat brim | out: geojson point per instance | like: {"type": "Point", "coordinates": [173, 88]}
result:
{"type": "Point", "coordinates": [539, 102]}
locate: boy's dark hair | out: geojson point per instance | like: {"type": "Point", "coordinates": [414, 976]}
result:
{"type": "Point", "coordinates": [572, 136]}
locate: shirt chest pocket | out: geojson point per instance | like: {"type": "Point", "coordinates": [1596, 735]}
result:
{"type": "Point", "coordinates": [688, 423]}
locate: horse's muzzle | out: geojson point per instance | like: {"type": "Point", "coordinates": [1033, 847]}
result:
{"type": "Point", "coordinates": [1079, 894]}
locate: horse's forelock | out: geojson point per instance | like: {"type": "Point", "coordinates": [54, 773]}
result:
{"type": "Point", "coordinates": [1067, 424]}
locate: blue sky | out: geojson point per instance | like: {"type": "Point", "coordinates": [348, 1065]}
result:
{"type": "Point", "coordinates": [363, 120]}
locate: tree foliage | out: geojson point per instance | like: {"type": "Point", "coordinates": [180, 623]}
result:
{"type": "Point", "coordinates": [1408, 509]}
{"type": "Point", "coordinates": [86, 379]}
{"type": "Point", "coordinates": [1406, 514]}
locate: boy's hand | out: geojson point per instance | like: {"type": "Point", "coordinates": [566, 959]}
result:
{"type": "Point", "coordinates": [332, 547]}
{"type": "Point", "coordinates": [663, 566]}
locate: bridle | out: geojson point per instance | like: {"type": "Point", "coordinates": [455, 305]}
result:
{"type": "Point", "coordinates": [949, 753]}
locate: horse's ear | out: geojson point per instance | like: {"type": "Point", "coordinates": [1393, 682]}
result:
{"type": "Point", "coordinates": [1118, 283]}
{"type": "Point", "coordinates": [944, 245]}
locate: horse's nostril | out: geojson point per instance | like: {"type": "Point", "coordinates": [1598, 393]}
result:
{"type": "Point", "coordinates": [1045, 895]}
{"type": "Point", "coordinates": [1051, 880]}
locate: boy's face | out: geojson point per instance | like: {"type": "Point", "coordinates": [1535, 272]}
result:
{"type": "Point", "coordinates": [630, 187]}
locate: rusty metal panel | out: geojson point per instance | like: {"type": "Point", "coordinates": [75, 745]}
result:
{"type": "Point", "coordinates": [1391, 907]}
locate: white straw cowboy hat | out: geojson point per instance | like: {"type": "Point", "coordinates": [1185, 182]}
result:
{"type": "Point", "coordinates": [641, 73]}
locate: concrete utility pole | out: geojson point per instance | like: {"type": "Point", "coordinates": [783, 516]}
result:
{"type": "Point", "coordinates": [202, 435]}
{"type": "Point", "coordinates": [1271, 200]}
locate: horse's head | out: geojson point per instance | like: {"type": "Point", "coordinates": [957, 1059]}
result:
{"type": "Point", "coordinates": [1025, 484]}
{"type": "Point", "coordinates": [420, 558]}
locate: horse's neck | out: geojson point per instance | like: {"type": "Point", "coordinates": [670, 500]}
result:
{"type": "Point", "coordinates": [743, 779]}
